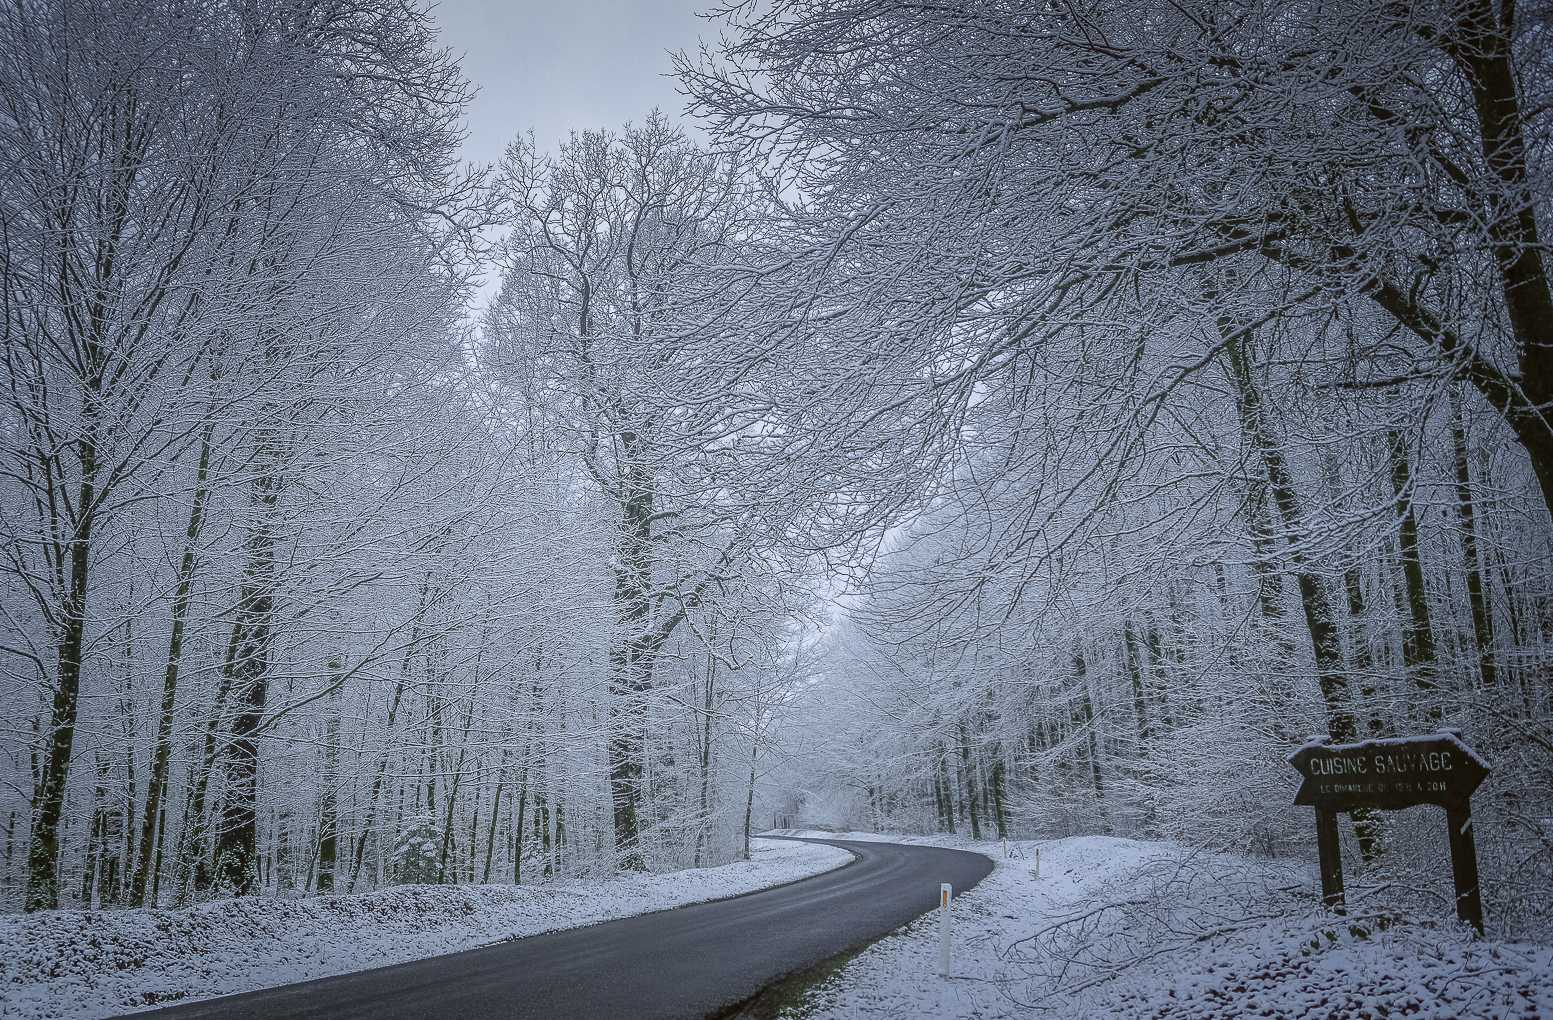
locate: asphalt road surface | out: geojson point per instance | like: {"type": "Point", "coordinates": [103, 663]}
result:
{"type": "Point", "coordinates": [689, 962]}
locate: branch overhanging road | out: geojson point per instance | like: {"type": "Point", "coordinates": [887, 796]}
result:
{"type": "Point", "coordinates": [692, 961]}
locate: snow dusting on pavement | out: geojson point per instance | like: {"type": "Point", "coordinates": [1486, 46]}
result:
{"type": "Point", "coordinates": [1132, 930]}
{"type": "Point", "coordinates": [86, 964]}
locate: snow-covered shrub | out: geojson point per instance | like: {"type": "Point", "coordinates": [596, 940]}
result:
{"type": "Point", "coordinates": [417, 852]}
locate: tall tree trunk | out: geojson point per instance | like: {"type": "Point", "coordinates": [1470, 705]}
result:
{"type": "Point", "coordinates": [160, 757]}
{"type": "Point", "coordinates": [447, 823]}
{"type": "Point", "coordinates": [1482, 623]}
{"type": "Point", "coordinates": [10, 846]}
{"type": "Point", "coordinates": [1363, 660]}
{"type": "Point", "coordinates": [704, 820]}
{"type": "Point", "coordinates": [237, 839]}
{"type": "Point", "coordinates": [1320, 621]}
{"type": "Point", "coordinates": [999, 812]}
{"type": "Point", "coordinates": [640, 640]}
{"type": "Point", "coordinates": [156, 869]}
{"type": "Point", "coordinates": [382, 765]}
{"type": "Point", "coordinates": [71, 561]}
{"type": "Point", "coordinates": [1368, 823]}
{"type": "Point", "coordinates": [517, 825]}
{"type": "Point", "coordinates": [193, 863]}
{"type": "Point", "coordinates": [1418, 653]}
{"type": "Point", "coordinates": [125, 852]}
{"type": "Point", "coordinates": [968, 770]}
{"type": "Point", "coordinates": [96, 843]}
{"type": "Point", "coordinates": [453, 785]}
{"type": "Point", "coordinates": [329, 779]}
{"type": "Point", "coordinates": [560, 834]}
{"type": "Point", "coordinates": [1483, 46]}
{"type": "Point", "coordinates": [749, 798]}
{"type": "Point", "coordinates": [944, 783]}
{"type": "Point", "coordinates": [1135, 672]}
{"type": "Point", "coordinates": [542, 826]}
{"type": "Point", "coordinates": [1081, 671]}
{"type": "Point", "coordinates": [630, 662]}
{"type": "Point", "coordinates": [490, 842]}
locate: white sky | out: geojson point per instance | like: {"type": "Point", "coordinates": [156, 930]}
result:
{"type": "Point", "coordinates": [566, 64]}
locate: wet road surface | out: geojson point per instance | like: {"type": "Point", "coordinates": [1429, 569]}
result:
{"type": "Point", "coordinates": [688, 962]}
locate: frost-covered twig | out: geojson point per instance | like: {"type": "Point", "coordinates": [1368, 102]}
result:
{"type": "Point", "coordinates": [1074, 919]}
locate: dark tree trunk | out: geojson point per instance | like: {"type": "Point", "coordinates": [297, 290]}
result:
{"type": "Point", "coordinates": [1482, 623]}
{"type": "Point", "coordinates": [704, 823]}
{"type": "Point", "coordinates": [490, 842]}
{"type": "Point", "coordinates": [194, 873]}
{"type": "Point", "coordinates": [1320, 621]}
{"type": "Point", "coordinates": [999, 812]}
{"type": "Point", "coordinates": [967, 768]}
{"type": "Point", "coordinates": [1087, 718]}
{"type": "Point", "coordinates": [1483, 47]}
{"type": "Point", "coordinates": [517, 827]}
{"type": "Point", "coordinates": [749, 799]}
{"type": "Point", "coordinates": [1135, 672]}
{"type": "Point", "coordinates": [942, 785]}
{"type": "Point", "coordinates": [631, 661]}
{"type": "Point", "coordinates": [237, 838]}
{"type": "Point", "coordinates": [1418, 653]}
{"type": "Point", "coordinates": [48, 797]}
{"type": "Point", "coordinates": [328, 808]}
{"type": "Point", "coordinates": [157, 783]}
{"type": "Point", "coordinates": [542, 828]}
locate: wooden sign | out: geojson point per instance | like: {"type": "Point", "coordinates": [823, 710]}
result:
{"type": "Point", "coordinates": [1390, 775]}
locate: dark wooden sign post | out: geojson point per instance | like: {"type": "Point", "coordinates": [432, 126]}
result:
{"type": "Point", "coordinates": [1391, 775]}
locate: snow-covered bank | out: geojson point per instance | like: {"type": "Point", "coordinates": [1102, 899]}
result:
{"type": "Point", "coordinates": [1129, 930]}
{"type": "Point", "coordinates": [85, 964]}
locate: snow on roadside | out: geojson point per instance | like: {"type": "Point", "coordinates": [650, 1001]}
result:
{"type": "Point", "coordinates": [86, 964]}
{"type": "Point", "coordinates": [1130, 930]}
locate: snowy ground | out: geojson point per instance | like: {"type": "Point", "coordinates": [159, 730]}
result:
{"type": "Point", "coordinates": [1148, 931]}
{"type": "Point", "coordinates": [85, 964]}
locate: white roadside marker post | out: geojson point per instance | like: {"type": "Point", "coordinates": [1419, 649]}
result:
{"type": "Point", "coordinates": [944, 893]}
{"type": "Point", "coordinates": [1036, 874]}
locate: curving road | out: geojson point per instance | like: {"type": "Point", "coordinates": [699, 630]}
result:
{"type": "Point", "coordinates": [689, 962]}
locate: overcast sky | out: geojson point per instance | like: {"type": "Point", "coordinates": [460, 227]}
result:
{"type": "Point", "coordinates": [556, 65]}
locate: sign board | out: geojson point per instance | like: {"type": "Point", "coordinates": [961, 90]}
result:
{"type": "Point", "coordinates": [1394, 774]}
{"type": "Point", "coordinates": [1388, 774]}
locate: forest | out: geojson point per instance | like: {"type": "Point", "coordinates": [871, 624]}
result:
{"type": "Point", "coordinates": [1013, 418]}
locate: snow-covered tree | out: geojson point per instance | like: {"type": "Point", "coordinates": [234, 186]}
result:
{"type": "Point", "coordinates": [210, 210]}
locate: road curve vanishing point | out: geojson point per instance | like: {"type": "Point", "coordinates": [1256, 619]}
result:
{"type": "Point", "coordinates": [688, 962]}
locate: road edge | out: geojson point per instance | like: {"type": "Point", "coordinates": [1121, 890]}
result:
{"type": "Point", "coordinates": [790, 989]}
{"type": "Point", "coordinates": [683, 906]}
